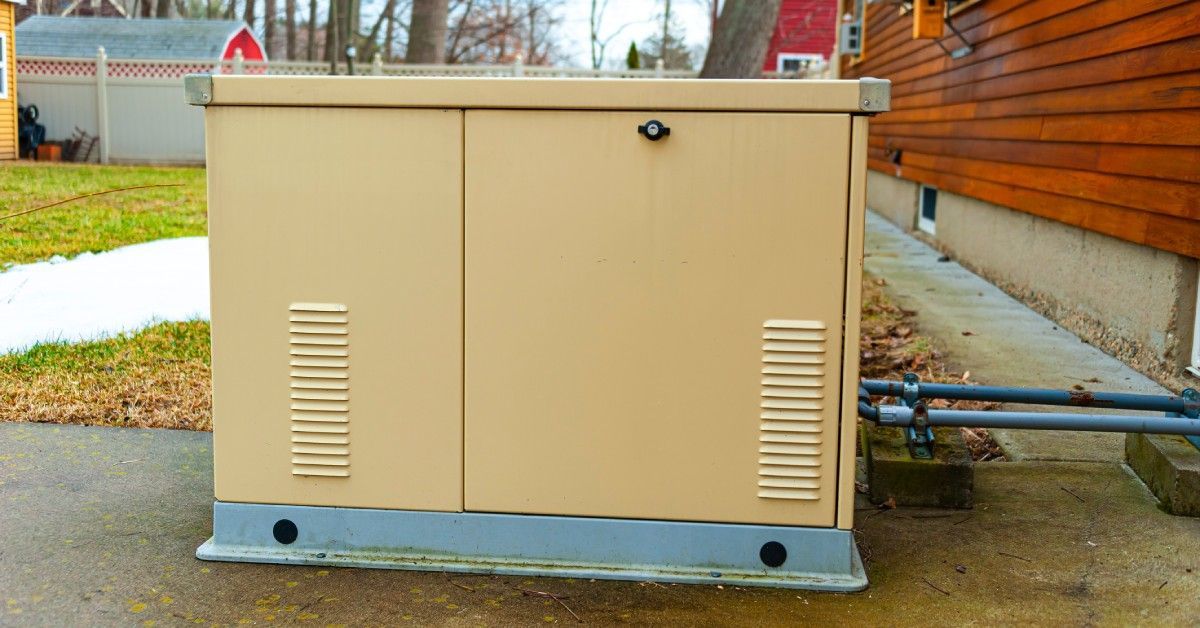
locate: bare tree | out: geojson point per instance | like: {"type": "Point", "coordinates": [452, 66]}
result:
{"type": "Point", "coordinates": [389, 34]}
{"type": "Point", "coordinates": [248, 13]}
{"type": "Point", "coordinates": [289, 27]}
{"type": "Point", "coordinates": [427, 32]}
{"type": "Point", "coordinates": [600, 43]}
{"type": "Point", "coordinates": [370, 41]}
{"type": "Point", "coordinates": [270, 11]}
{"type": "Point", "coordinates": [331, 36]}
{"type": "Point", "coordinates": [310, 46]}
{"type": "Point", "coordinates": [666, 25]}
{"type": "Point", "coordinates": [496, 31]}
{"type": "Point", "coordinates": [743, 33]}
{"type": "Point", "coordinates": [714, 12]}
{"type": "Point", "coordinates": [667, 45]}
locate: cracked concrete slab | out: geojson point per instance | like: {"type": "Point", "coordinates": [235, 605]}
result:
{"type": "Point", "coordinates": [1000, 341]}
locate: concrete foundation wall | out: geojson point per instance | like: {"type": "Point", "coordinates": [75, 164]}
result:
{"type": "Point", "coordinates": [893, 198]}
{"type": "Point", "coordinates": [1133, 301]}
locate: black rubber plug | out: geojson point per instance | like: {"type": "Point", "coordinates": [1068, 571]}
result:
{"type": "Point", "coordinates": [773, 553]}
{"type": "Point", "coordinates": [285, 531]}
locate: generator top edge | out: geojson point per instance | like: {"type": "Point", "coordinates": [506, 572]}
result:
{"type": "Point", "coordinates": [863, 96]}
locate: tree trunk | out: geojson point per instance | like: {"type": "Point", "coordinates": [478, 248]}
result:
{"type": "Point", "coordinates": [162, 9]}
{"type": "Point", "coordinates": [230, 10]}
{"type": "Point", "coordinates": [289, 26]}
{"type": "Point", "coordinates": [389, 35]}
{"type": "Point", "coordinates": [269, 12]}
{"type": "Point", "coordinates": [740, 44]}
{"type": "Point", "coordinates": [331, 36]}
{"type": "Point", "coordinates": [427, 32]}
{"type": "Point", "coordinates": [310, 51]}
{"type": "Point", "coordinates": [714, 8]}
{"type": "Point", "coordinates": [666, 31]}
{"type": "Point", "coordinates": [248, 14]}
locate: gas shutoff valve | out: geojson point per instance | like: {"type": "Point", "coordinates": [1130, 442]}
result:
{"type": "Point", "coordinates": [654, 130]}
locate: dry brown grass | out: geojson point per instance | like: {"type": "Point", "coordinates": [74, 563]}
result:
{"type": "Point", "coordinates": [158, 377]}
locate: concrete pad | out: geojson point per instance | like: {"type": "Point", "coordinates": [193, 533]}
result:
{"type": "Point", "coordinates": [945, 481]}
{"type": "Point", "coordinates": [101, 525]}
{"type": "Point", "coordinates": [1170, 465]}
{"type": "Point", "coordinates": [1000, 341]}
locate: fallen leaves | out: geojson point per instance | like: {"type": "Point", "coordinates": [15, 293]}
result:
{"type": "Point", "coordinates": [890, 346]}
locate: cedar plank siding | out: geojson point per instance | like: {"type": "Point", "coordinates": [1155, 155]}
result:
{"type": "Point", "coordinates": [1082, 111]}
{"type": "Point", "coordinates": [8, 106]}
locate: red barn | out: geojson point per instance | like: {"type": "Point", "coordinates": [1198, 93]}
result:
{"type": "Point", "coordinates": [136, 40]}
{"type": "Point", "coordinates": [804, 33]}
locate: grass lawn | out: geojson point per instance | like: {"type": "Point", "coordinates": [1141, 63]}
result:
{"type": "Point", "coordinates": [99, 223]}
{"type": "Point", "coordinates": [158, 377]}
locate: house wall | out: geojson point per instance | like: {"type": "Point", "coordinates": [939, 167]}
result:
{"type": "Point", "coordinates": [8, 106]}
{"type": "Point", "coordinates": [1081, 111]}
{"type": "Point", "coordinates": [804, 26]}
{"type": "Point", "coordinates": [1066, 151]}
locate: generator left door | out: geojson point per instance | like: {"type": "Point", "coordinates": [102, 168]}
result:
{"type": "Point", "coordinates": [336, 269]}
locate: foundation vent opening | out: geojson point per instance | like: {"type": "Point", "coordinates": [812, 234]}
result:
{"type": "Point", "coordinates": [319, 360]}
{"type": "Point", "coordinates": [792, 410]}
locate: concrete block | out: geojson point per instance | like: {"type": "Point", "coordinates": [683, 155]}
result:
{"type": "Point", "coordinates": [945, 481]}
{"type": "Point", "coordinates": [1170, 467]}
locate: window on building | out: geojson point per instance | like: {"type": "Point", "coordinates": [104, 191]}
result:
{"type": "Point", "coordinates": [796, 62]}
{"type": "Point", "coordinates": [927, 210]}
{"type": "Point", "coordinates": [1194, 369]}
{"type": "Point", "coordinates": [3, 66]}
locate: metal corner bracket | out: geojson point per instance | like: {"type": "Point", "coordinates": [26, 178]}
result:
{"type": "Point", "coordinates": [198, 89]}
{"type": "Point", "coordinates": [874, 95]}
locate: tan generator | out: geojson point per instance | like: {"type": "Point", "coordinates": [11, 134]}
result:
{"type": "Point", "coordinates": [595, 328]}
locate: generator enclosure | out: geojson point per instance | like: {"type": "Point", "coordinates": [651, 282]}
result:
{"type": "Point", "coordinates": [599, 328]}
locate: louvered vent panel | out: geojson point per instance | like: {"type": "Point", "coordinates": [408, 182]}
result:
{"type": "Point", "coordinates": [320, 391]}
{"type": "Point", "coordinates": [793, 402]}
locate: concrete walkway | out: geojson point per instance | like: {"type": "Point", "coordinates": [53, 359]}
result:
{"type": "Point", "coordinates": [101, 525]}
{"type": "Point", "coordinates": [1000, 341]}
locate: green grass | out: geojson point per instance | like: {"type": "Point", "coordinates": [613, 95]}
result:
{"type": "Point", "coordinates": [94, 224]}
{"type": "Point", "coordinates": [158, 377]}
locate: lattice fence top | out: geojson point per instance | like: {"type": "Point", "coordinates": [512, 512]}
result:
{"type": "Point", "coordinates": [173, 69]}
{"type": "Point", "coordinates": [156, 69]}
{"type": "Point", "coordinates": [56, 67]}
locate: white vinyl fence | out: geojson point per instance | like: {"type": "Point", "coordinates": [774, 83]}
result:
{"type": "Point", "coordinates": [137, 110]}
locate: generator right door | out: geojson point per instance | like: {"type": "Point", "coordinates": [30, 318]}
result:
{"type": "Point", "coordinates": [653, 328]}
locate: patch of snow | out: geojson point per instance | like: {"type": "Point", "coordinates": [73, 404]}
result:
{"type": "Point", "coordinates": [100, 295]}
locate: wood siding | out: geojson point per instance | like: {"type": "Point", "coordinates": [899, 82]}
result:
{"type": "Point", "coordinates": [8, 106]}
{"type": "Point", "coordinates": [1082, 111]}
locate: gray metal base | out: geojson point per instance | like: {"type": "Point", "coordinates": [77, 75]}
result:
{"type": "Point", "coordinates": [823, 559]}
